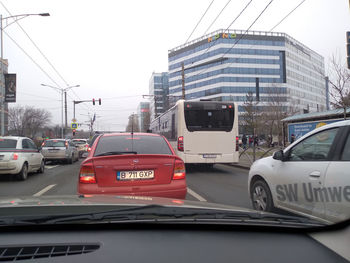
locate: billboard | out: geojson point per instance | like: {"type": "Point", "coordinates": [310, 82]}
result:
{"type": "Point", "coordinates": [300, 129]}
{"type": "Point", "coordinates": [10, 87]}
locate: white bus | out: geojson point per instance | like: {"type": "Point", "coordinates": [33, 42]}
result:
{"type": "Point", "coordinates": [201, 132]}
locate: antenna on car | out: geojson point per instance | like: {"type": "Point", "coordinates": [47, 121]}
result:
{"type": "Point", "coordinates": [132, 133]}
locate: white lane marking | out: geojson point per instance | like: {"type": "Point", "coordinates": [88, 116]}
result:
{"type": "Point", "coordinates": [195, 195]}
{"type": "Point", "coordinates": [47, 188]}
{"type": "Point", "coordinates": [50, 167]}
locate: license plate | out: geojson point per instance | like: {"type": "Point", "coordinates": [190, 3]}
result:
{"type": "Point", "coordinates": [135, 175]}
{"type": "Point", "coordinates": [209, 155]}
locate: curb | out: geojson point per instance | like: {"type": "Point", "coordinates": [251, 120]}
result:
{"type": "Point", "coordinates": [240, 166]}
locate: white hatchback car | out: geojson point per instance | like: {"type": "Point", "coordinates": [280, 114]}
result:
{"type": "Point", "coordinates": [20, 156]}
{"type": "Point", "coordinates": [311, 177]}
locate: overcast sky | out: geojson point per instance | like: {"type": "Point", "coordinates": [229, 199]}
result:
{"type": "Point", "coordinates": [110, 48]}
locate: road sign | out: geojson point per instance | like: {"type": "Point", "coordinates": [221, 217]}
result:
{"type": "Point", "coordinates": [74, 125]}
{"type": "Point", "coordinates": [74, 120]}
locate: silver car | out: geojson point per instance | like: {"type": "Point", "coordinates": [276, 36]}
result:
{"type": "Point", "coordinates": [60, 150]}
{"type": "Point", "coordinates": [82, 146]}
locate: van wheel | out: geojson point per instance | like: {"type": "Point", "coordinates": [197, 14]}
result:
{"type": "Point", "coordinates": [23, 174]}
{"type": "Point", "coordinates": [261, 196]}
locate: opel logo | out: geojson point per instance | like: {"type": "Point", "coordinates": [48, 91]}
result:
{"type": "Point", "coordinates": [135, 161]}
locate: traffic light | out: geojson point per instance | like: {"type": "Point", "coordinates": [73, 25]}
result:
{"type": "Point", "coordinates": [74, 130]}
{"type": "Point", "coordinates": [99, 101]}
{"type": "Point", "coordinates": [93, 101]}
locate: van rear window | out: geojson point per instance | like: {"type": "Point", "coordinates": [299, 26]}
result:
{"type": "Point", "coordinates": [8, 144]}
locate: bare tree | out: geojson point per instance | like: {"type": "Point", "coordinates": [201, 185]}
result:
{"type": "Point", "coordinates": [27, 121]}
{"type": "Point", "coordinates": [276, 110]}
{"type": "Point", "coordinates": [339, 79]}
{"type": "Point", "coordinates": [250, 119]}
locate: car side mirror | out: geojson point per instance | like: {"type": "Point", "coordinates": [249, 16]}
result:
{"type": "Point", "coordinates": [279, 155]}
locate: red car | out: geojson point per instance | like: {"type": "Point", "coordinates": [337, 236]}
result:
{"type": "Point", "coordinates": [140, 164]}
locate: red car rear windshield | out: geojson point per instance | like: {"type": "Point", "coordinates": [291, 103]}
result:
{"type": "Point", "coordinates": [138, 143]}
{"type": "Point", "coordinates": [8, 144]}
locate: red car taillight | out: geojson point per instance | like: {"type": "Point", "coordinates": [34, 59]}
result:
{"type": "Point", "coordinates": [87, 174]}
{"type": "Point", "coordinates": [66, 143]}
{"type": "Point", "coordinates": [237, 143]}
{"type": "Point", "coordinates": [180, 143]}
{"type": "Point", "coordinates": [179, 170]}
{"type": "Point", "coordinates": [15, 156]}
{"type": "Point", "coordinates": [89, 149]}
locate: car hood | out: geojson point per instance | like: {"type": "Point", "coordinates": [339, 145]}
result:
{"type": "Point", "coordinates": [107, 200]}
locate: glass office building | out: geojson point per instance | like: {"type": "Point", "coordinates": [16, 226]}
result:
{"type": "Point", "coordinates": [227, 65]}
{"type": "Point", "coordinates": [143, 116]}
{"type": "Point", "coordinates": [158, 91]}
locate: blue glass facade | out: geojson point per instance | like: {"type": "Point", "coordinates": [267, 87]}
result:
{"type": "Point", "coordinates": [225, 66]}
{"type": "Point", "coordinates": [159, 91]}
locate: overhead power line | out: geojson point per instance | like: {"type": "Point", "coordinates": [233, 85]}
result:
{"type": "Point", "coordinates": [36, 46]}
{"type": "Point", "coordinates": [287, 15]}
{"type": "Point", "coordinates": [242, 35]}
{"type": "Point", "coordinates": [200, 20]}
{"type": "Point", "coordinates": [234, 20]}
{"type": "Point", "coordinates": [46, 74]}
{"type": "Point", "coordinates": [217, 17]}
{"type": "Point", "coordinates": [44, 56]}
{"type": "Point", "coordinates": [274, 26]}
{"type": "Point", "coordinates": [256, 19]}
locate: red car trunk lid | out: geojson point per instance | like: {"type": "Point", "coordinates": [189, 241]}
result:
{"type": "Point", "coordinates": [107, 167]}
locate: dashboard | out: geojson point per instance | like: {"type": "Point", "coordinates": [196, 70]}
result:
{"type": "Point", "coordinates": [164, 243]}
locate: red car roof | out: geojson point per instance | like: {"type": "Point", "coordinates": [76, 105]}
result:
{"type": "Point", "coordinates": [129, 134]}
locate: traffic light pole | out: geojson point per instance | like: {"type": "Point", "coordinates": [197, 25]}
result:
{"type": "Point", "coordinates": [80, 101]}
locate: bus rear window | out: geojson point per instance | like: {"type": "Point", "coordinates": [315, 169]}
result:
{"type": "Point", "coordinates": [204, 119]}
{"type": "Point", "coordinates": [8, 144]}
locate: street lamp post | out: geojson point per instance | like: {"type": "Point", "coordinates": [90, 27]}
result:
{"type": "Point", "coordinates": [63, 92]}
{"type": "Point", "coordinates": [2, 100]}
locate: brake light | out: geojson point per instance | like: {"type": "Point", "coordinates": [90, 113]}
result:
{"type": "Point", "coordinates": [87, 174]}
{"type": "Point", "coordinates": [237, 143]}
{"type": "Point", "coordinates": [15, 156]}
{"type": "Point", "coordinates": [180, 143]}
{"type": "Point", "coordinates": [179, 170]}
{"type": "Point", "coordinates": [89, 149]}
{"type": "Point", "coordinates": [42, 145]}
{"type": "Point", "coordinates": [66, 143]}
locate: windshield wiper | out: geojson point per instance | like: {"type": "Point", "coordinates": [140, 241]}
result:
{"type": "Point", "coordinates": [163, 214]}
{"type": "Point", "coordinates": [115, 153]}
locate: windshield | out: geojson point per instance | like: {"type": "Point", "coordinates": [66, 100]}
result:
{"type": "Point", "coordinates": [242, 105]}
{"type": "Point", "coordinates": [54, 143]}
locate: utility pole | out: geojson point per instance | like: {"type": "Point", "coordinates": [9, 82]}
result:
{"type": "Point", "coordinates": [183, 80]}
{"type": "Point", "coordinates": [65, 108]}
{"type": "Point", "coordinates": [2, 84]}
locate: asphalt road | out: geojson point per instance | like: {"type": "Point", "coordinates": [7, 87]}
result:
{"type": "Point", "coordinates": [222, 184]}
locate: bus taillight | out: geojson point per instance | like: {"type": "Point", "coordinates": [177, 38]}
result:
{"type": "Point", "coordinates": [237, 143]}
{"type": "Point", "coordinates": [180, 144]}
